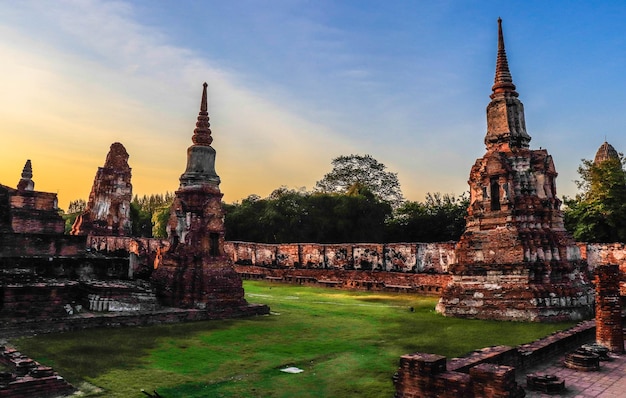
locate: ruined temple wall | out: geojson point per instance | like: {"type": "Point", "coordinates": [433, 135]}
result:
{"type": "Point", "coordinates": [40, 245]}
{"type": "Point", "coordinates": [396, 257]}
{"type": "Point", "coordinates": [35, 212]}
{"type": "Point", "coordinates": [428, 284]}
{"type": "Point", "coordinates": [34, 200]}
{"type": "Point", "coordinates": [598, 254]}
{"type": "Point", "coordinates": [112, 244]}
{"type": "Point", "coordinates": [435, 257]}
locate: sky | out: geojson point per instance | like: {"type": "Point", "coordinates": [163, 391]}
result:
{"type": "Point", "coordinates": [293, 84]}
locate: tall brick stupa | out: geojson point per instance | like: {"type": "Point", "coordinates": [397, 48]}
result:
{"type": "Point", "coordinates": [195, 272]}
{"type": "Point", "coordinates": [515, 260]}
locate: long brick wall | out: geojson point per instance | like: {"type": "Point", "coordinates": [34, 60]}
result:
{"type": "Point", "coordinates": [396, 257]}
{"type": "Point", "coordinates": [403, 258]}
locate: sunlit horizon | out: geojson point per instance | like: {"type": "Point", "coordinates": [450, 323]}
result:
{"type": "Point", "coordinates": [293, 85]}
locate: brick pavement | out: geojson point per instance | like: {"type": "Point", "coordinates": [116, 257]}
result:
{"type": "Point", "coordinates": [608, 382]}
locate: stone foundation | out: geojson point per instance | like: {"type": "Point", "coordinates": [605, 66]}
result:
{"type": "Point", "coordinates": [425, 284]}
{"type": "Point", "coordinates": [507, 292]}
{"type": "Point", "coordinates": [489, 372]}
{"type": "Point", "coordinates": [29, 378]}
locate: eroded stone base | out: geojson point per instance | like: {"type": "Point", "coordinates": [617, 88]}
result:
{"type": "Point", "coordinates": [186, 282]}
{"type": "Point", "coordinates": [514, 298]}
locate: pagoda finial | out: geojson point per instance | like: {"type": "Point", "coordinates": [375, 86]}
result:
{"type": "Point", "coordinates": [202, 132]}
{"type": "Point", "coordinates": [26, 183]}
{"type": "Point", "coordinates": [503, 82]}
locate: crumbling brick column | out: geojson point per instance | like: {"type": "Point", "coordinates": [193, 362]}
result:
{"type": "Point", "coordinates": [495, 381]}
{"type": "Point", "coordinates": [609, 329]}
{"type": "Point", "coordinates": [423, 375]}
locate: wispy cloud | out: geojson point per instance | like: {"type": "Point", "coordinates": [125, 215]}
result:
{"type": "Point", "coordinates": [98, 76]}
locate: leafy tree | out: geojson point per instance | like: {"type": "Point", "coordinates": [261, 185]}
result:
{"type": "Point", "coordinates": [365, 171]}
{"type": "Point", "coordinates": [289, 216]}
{"type": "Point", "coordinates": [598, 212]}
{"type": "Point", "coordinates": [160, 218]}
{"type": "Point", "coordinates": [141, 221]}
{"type": "Point", "coordinates": [440, 218]}
{"type": "Point", "coordinates": [149, 214]}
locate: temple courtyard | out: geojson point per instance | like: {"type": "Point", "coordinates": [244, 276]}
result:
{"type": "Point", "coordinates": [346, 342]}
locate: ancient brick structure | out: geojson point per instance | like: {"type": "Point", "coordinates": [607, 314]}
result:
{"type": "Point", "coordinates": [194, 271]}
{"type": "Point", "coordinates": [609, 327]}
{"type": "Point", "coordinates": [26, 183]}
{"type": "Point", "coordinates": [605, 152]}
{"type": "Point", "coordinates": [598, 254]}
{"type": "Point", "coordinates": [486, 372]}
{"type": "Point", "coordinates": [26, 211]}
{"type": "Point", "coordinates": [28, 378]}
{"type": "Point", "coordinates": [433, 258]}
{"type": "Point", "coordinates": [108, 208]}
{"type": "Point", "coordinates": [515, 261]}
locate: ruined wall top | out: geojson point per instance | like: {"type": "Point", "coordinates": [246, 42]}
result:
{"type": "Point", "coordinates": [506, 127]}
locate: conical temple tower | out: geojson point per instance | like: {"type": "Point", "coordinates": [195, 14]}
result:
{"type": "Point", "coordinates": [195, 272]}
{"type": "Point", "coordinates": [515, 260]}
{"type": "Point", "coordinates": [605, 152]}
{"type": "Point", "coordinates": [26, 183]}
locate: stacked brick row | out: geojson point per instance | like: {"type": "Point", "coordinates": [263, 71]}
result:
{"type": "Point", "coordinates": [395, 257]}
{"type": "Point", "coordinates": [609, 329]}
{"type": "Point", "coordinates": [427, 284]}
{"type": "Point", "coordinates": [495, 381]}
{"type": "Point", "coordinates": [489, 372]}
{"type": "Point", "coordinates": [29, 378]}
{"type": "Point", "coordinates": [425, 376]}
{"type": "Point", "coordinates": [38, 299]}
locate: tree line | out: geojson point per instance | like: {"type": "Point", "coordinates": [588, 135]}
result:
{"type": "Point", "coordinates": [360, 201]}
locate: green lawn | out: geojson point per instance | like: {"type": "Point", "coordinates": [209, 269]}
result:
{"type": "Point", "coordinates": [348, 344]}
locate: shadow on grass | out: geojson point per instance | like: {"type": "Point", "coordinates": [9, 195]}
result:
{"type": "Point", "coordinates": [455, 337]}
{"type": "Point", "coordinates": [90, 353]}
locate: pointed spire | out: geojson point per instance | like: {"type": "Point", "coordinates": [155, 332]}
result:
{"type": "Point", "coordinates": [202, 133]}
{"type": "Point", "coordinates": [503, 82]}
{"type": "Point", "coordinates": [26, 183]}
{"type": "Point", "coordinates": [505, 112]}
{"type": "Point", "coordinates": [27, 171]}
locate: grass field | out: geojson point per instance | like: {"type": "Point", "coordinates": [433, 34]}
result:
{"type": "Point", "coordinates": [348, 344]}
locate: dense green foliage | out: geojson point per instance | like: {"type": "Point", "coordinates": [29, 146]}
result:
{"type": "Point", "coordinates": [147, 210]}
{"type": "Point", "coordinates": [440, 218]}
{"type": "Point", "coordinates": [363, 171]}
{"type": "Point", "coordinates": [598, 213]}
{"type": "Point", "coordinates": [289, 216]}
{"type": "Point", "coordinates": [348, 344]}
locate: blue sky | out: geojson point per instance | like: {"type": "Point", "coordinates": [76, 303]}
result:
{"type": "Point", "coordinates": [293, 84]}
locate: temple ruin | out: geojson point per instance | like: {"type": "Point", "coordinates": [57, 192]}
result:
{"type": "Point", "coordinates": [108, 208]}
{"type": "Point", "coordinates": [515, 260]}
{"type": "Point", "coordinates": [56, 282]}
{"type": "Point", "coordinates": [194, 272]}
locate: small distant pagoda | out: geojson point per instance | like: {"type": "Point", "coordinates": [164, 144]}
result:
{"type": "Point", "coordinates": [515, 260]}
{"type": "Point", "coordinates": [195, 272]}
